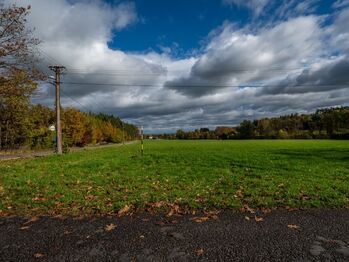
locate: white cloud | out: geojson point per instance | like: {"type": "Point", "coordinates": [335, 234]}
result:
{"type": "Point", "coordinates": [256, 6]}
{"type": "Point", "coordinates": [77, 34]}
{"type": "Point", "coordinates": [339, 32]}
{"type": "Point", "coordinates": [235, 56]}
{"type": "Point", "coordinates": [341, 3]}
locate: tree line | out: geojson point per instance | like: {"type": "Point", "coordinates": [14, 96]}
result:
{"type": "Point", "coordinates": [25, 124]}
{"type": "Point", "coordinates": [328, 123]}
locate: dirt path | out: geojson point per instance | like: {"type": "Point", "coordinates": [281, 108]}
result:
{"type": "Point", "coordinates": [30, 154]}
{"type": "Point", "coordinates": [311, 235]}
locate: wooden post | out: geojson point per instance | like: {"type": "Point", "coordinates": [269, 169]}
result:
{"type": "Point", "coordinates": [58, 71]}
{"type": "Point", "coordinates": [142, 146]}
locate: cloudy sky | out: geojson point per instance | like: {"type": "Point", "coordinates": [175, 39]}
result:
{"type": "Point", "coordinates": [199, 63]}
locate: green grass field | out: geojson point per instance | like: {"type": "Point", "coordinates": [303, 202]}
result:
{"type": "Point", "coordinates": [193, 174]}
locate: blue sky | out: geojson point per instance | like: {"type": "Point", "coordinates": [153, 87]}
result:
{"type": "Point", "coordinates": [197, 63]}
{"type": "Point", "coordinates": [177, 24]}
{"type": "Point", "coordinates": [183, 25]}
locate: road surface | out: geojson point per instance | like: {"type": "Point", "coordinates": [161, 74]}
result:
{"type": "Point", "coordinates": [309, 235]}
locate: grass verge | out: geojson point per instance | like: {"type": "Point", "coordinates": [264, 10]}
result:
{"type": "Point", "coordinates": [192, 174]}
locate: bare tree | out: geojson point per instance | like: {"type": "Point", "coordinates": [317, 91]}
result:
{"type": "Point", "coordinates": [17, 44]}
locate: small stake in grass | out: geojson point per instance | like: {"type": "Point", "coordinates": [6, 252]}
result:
{"type": "Point", "coordinates": [142, 146]}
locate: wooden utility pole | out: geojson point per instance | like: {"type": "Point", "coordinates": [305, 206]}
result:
{"type": "Point", "coordinates": [58, 70]}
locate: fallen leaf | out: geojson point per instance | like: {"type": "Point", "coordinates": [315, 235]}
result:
{"type": "Point", "coordinates": [158, 204]}
{"type": "Point", "coordinates": [170, 213]}
{"type": "Point", "coordinates": [258, 219]}
{"type": "Point", "coordinates": [38, 255]}
{"type": "Point", "coordinates": [25, 228]}
{"type": "Point", "coordinates": [239, 193]}
{"type": "Point", "coordinates": [247, 218]}
{"type": "Point", "coordinates": [199, 252]}
{"type": "Point", "coordinates": [60, 217]}
{"type": "Point", "coordinates": [141, 236]}
{"type": "Point", "coordinates": [39, 199]}
{"type": "Point", "coordinates": [160, 223]}
{"type": "Point", "coordinates": [174, 210]}
{"type": "Point", "coordinates": [123, 211]}
{"type": "Point", "coordinates": [110, 227]}
{"type": "Point", "coordinates": [291, 209]}
{"type": "Point", "coordinates": [246, 208]}
{"type": "Point", "coordinates": [293, 226]}
{"type": "Point", "coordinates": [33, 219]}
{"type": "Point", "coordinates": [90, 197]}
{"type": "Point", "coordinates": [200, 219]}
{"type": "Point", "coordinates": [265, 210]}
{"type": "Point", "coordinates": [212, 214]}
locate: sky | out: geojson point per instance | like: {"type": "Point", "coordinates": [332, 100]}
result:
{"type": "Point", "coordinates": [188, 64]}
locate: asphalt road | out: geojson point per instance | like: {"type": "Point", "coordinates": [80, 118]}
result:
{"type": "Point", "coordinates": [310, 235]}
{"type": "Point", "coordinates": [17, 154]}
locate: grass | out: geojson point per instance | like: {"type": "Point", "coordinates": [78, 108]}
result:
{"type": "Point", "coordinates": [194, 174]}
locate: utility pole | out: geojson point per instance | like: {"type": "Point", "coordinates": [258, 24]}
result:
{"type": "Point", "coordinates": [58, 70]}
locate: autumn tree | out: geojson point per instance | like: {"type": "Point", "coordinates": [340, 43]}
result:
{"type": "Point", "coordinates": [41, 117]}
{"type": "Point", "coordinates": [73, 126]}
{"type": "Point", "coordinates": [17, 75]}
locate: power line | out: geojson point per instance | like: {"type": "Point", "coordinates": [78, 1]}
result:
{"type": "Point", "coordinates": [95, 105]}
{"type": "Point", "coordinates": [213, 85]}
{"type": "Point", "coordinates": [237, 69]}
{"type": "Point", "coordinates": [117, 74]}
{"type": "Point", "coordinates": [76, 101]}
{"type": "Point", "coordinates": [52, 59]}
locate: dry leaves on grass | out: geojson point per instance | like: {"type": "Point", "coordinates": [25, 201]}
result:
{"type": "Point", "coordinates": [246, 208]}
{"type": "Point", "coordinates": [157, 204]}
{"type": "Point", "coordinates": [110, 227]}
{"type": "Point", "coordinates": [39, 199]}
{"type": "Point", "coordinates": [174, 210]}
{"type": "Point", "coordinates": [90, 197]}
{"type": "Point", "coordinates": [239, 193]}
{"type": "Point", "coordinates": [3, 213]}
{"type": "Point", "coordinates": [125, 210]}
{"type": "Point", "coordinates": [24, 227]}
{"type": "Point", "coordinates": [291, 226]}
